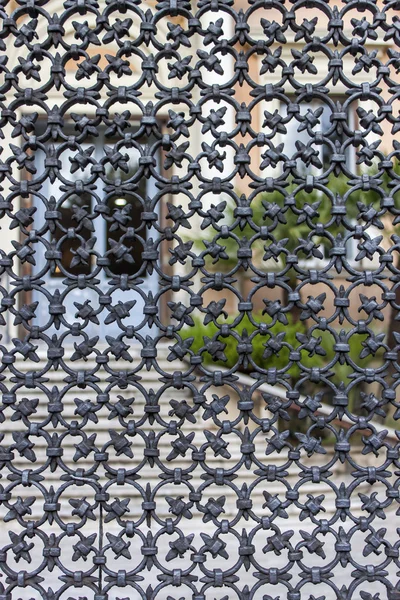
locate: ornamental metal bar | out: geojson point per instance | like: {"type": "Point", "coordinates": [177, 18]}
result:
{"type": "Point", "coordinates": [200, 299]}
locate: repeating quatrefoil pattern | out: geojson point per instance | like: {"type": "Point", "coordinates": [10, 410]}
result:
{"type": "Point", "coordinates": [199, 299]}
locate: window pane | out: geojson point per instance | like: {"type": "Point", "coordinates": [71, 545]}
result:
{"type": "Point", "coordinates": [131, 207]}
{"type": "Point", "coordinates": [75, 210]}
{"type": "Point", "coordinates": [72, 210]}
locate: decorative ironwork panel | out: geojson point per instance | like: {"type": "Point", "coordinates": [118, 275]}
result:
{"type": "Point", "coordinates": [200, 296]}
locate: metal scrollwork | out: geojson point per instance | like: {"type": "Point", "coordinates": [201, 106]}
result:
{"type": "Point", "coordinates": [199, 299]}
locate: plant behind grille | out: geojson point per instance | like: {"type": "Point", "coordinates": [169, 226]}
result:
{"type": "Point", "coordinates": [200, 312]}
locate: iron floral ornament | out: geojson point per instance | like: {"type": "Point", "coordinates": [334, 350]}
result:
{"type": "Point", "coordinates": [199, 299]}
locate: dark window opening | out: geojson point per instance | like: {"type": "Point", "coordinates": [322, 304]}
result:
{"type": "Point", "coordinates": [71, 217]}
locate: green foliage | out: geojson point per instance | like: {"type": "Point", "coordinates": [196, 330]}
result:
{"type": "Point", "coordinates": [292, 205]}
{"type": "Point", "coordinates": [199, 331]}
{"type": "Point", "coordinates": [278, 361]}
{"type": "Point", "coordinates": [292, 225]}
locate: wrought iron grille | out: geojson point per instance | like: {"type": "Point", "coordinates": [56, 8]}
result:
{"type": "Point", "coordinates": [200, 296]}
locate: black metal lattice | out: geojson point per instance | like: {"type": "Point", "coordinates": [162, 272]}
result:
{"type": "Point", "coordinates": [199, 299]}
